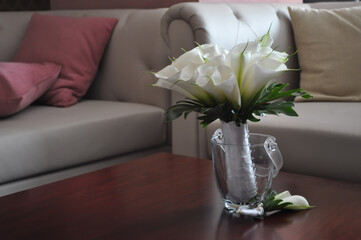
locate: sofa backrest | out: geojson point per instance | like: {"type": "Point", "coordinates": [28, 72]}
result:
{"type": "Point", "coordinates": [135, 49]}
{"type": "Point", "coordinates": [228, 24]}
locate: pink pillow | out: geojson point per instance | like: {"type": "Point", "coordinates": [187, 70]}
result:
{"type": "Point", "coordinates": [75, 43]}
{"type": "Point", "coordinates": [22, 83]}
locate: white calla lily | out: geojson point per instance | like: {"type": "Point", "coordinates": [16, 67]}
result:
{"type": "Point", "coordinates": [227, 82]}
{"type": "Point", "coordinates": [220, 82]}
{"type": "Point", "coordinates": [213, 53]}
{"type": "Point", "coordinates": [170, 73]}
{"type": "Point", "coordinates": [188, 76]}
{"type": "Point", "coordinates": [171, 86]}
{"type": "Point", "coordinates": [255, 64]}
{"type": "Point", "coordinates": [257, 76]}
{"type": "Point", "coordinates": [206, 76]}
{"type": "Point", "coordinates": [280, 57]}
{"type": "Point", "coordinates": [283, 195]}
{"type": "Point", "coordinates": [196, 91]}
{"type": "Point", "coordinates": [298, 202]}
{"type": "Point", "coordinates": [194, 56]}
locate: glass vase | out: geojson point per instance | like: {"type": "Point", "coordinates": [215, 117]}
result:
{"type": "Point", "coordinates": [244, 164]}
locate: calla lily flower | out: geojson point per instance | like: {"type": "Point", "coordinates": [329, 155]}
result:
{"type": "Point", "coordinates": [255, 64]}
{"type": "Point", "coordinates": [298, 202]}
{"type": "Point", "coordinates": [199, 74]}
{"type": "Point", "coordinates": [220, 82]}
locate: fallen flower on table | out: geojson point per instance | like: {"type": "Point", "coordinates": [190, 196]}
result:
{"type": "Point", "coordinates": [284, 200]}
{"type": "Point", "coordinates": [297, 202]}
{"type": "Point", "coordinates": [273, 203]}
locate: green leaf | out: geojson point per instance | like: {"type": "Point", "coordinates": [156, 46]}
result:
{"type": "Point", "coordinates": [253, 118]}
{"type": "Point", "coordinates": [271, 204]}
{"type": "Point", "coordinates": [272, 92]}
{"type": "Point", "coordinates": [275, 108]}
{"type": "Point", "coordinates": [303, 94]}
{"type": "Point", "coordinates": [177, 110]}
{"type": "Point", "coordinates": [206, 120]}
{"type": "Point", "coordinates": [209, 114]}
{"type": "Point", "coordinates": [259, 95]}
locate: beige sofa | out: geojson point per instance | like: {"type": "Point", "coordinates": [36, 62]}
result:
{"type": "Point", "coordinates": [324, 140]}
{"type": "Point", "coordinates": [120, 119]}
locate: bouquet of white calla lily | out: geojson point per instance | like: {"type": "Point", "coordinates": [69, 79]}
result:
{"type": "Point", "coordinates": [233, 86]}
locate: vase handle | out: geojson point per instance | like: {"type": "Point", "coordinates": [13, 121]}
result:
{"type": "Point", "coordinates": [274, 153]}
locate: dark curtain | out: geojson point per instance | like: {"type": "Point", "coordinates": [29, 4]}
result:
{"type": "Point", "coordinates": [24, 5]}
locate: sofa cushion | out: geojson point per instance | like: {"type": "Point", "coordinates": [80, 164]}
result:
{"type": "Point", "coordinates": [23, 83]}
{"type": "Point", "coordinates": [75, 43]}
{"type": "Point", "coordinates": [42, 138]}
{"type": "Point", "coordinates": [329, 48]}
{"type": "Point", "coordinates": [316, 142]}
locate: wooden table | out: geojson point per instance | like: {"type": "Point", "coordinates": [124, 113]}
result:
{"type": "Point", "coordinates": [165, 196]}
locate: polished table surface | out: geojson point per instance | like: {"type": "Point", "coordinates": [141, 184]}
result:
{"type": "Point", "coordinates": [166, 196]}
